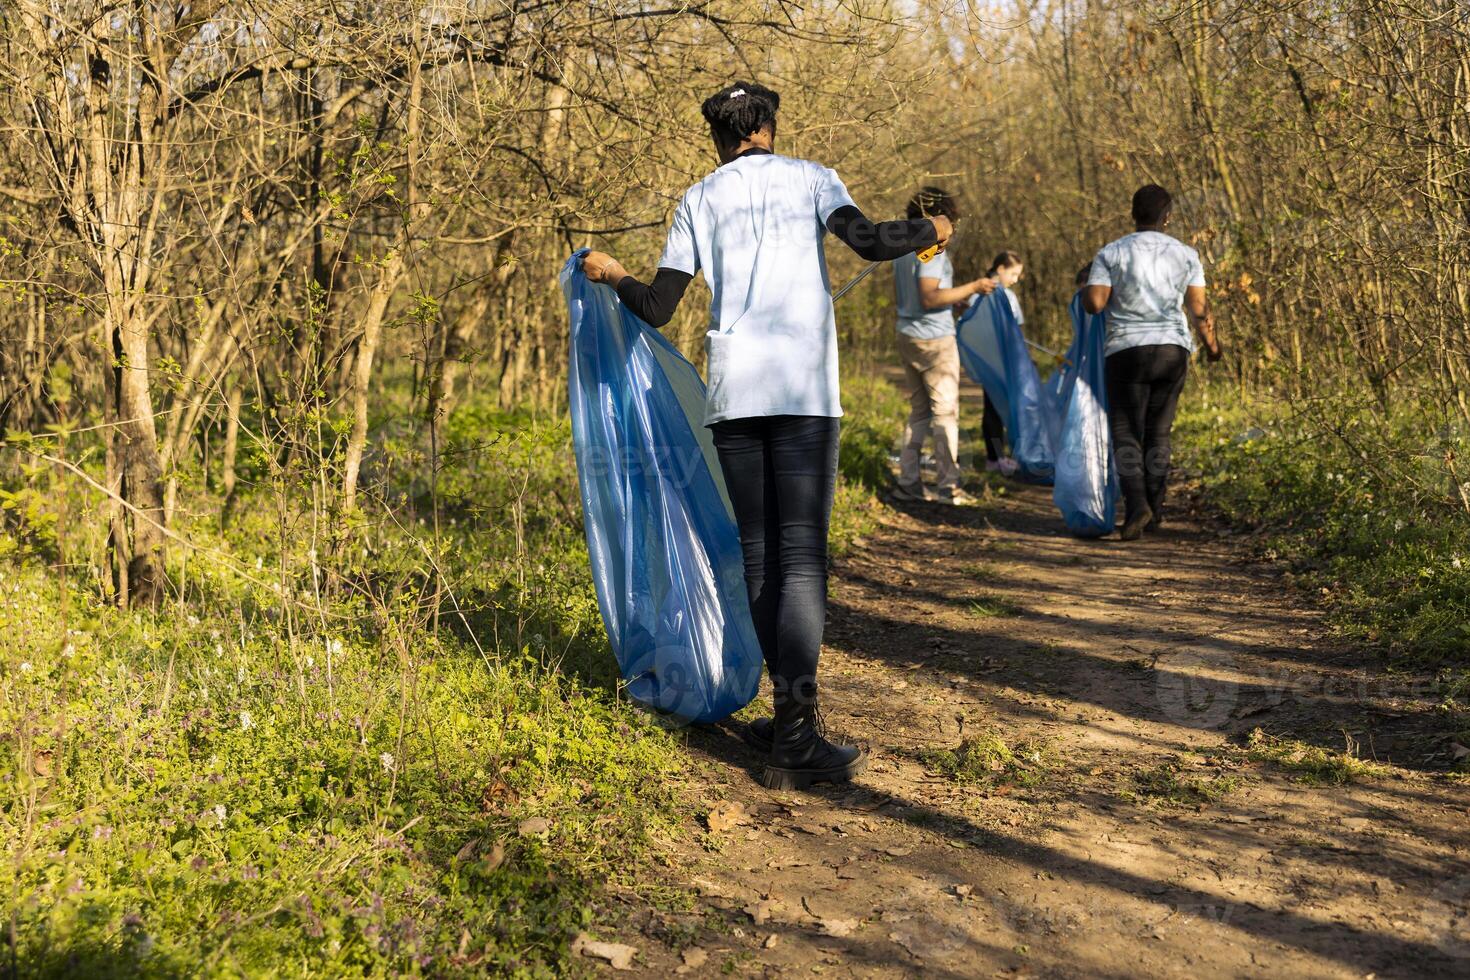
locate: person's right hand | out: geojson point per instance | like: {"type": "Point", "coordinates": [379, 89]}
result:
{"type": "Point", "coordinates": [983, 287]}
{"type": "Point", "coordinates": [944, 229]}
{"type": "Point", "coordinates": [601, 267]}
{"type": "Point", "coordinates": [1212, 342]}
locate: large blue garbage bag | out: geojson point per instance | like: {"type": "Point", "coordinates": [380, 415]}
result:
{"type": "Point", "coordinates": [661, 533]}
{"type": "Point", "coordinates": [994, 354]}
{"type": "Point", "coordinates": [1086, 481]}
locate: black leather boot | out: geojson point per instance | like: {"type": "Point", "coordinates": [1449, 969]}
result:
{"type": "Point", "coordinates": [1133, 527]}
{"type": "Point", "coordinates": [758, 733]}
{"type": "Point", "coordinates": [800, 752]}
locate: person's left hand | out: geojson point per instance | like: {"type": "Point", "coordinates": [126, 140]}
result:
{"type": "Point", "coordinates": [601, 267]}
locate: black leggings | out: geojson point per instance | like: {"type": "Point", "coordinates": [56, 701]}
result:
{"type": "Point", "coordinates": [993, 430]}
{"type": "Point", "coordinates": [1143, 395]}
{"type": "Point", "coordinates": [781, 471]}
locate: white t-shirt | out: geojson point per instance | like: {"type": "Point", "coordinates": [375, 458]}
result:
{"type": "Point", "coordinates": [1149, 272]}
{"type": "Point", "coordinates": [755, 227]}
{"type": "Point", "coordinates": [914, 319]}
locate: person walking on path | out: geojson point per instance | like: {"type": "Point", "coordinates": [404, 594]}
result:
{"type": "Point", "coordinates": [1152, 288]}
{"type": "Point", "coordinates": [755, 227]}
{"type": "Point", "coordinates": [926, 297]}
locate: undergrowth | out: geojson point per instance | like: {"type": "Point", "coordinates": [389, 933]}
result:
{"type": "Point", "coordinates": [1311, 765]}
{"type": "Point", "coordinates": [399, 751]}
{"type": "Point", "coordinates": [1366, 507]}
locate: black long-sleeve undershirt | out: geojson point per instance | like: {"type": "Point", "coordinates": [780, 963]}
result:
{"type": "Point", "coordinates": [883, 241]}
{"type": "Point", "coordinates": [654, 303]}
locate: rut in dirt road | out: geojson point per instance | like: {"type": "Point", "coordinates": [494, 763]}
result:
{"type": "Point", "coordinates": [1064, 780]}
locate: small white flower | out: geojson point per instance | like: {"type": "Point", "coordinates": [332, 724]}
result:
{"type": "Point", "coordinates": [387, 760]}
{"type": "Point", "coordinates": [219, 649]}
{"type": "Point", "coordinates": [69, 650]}
{"type": "Point", "coordinates": [25, 666]}
{"type": "Point", "coordinates": [193, 620]}
{"type": "Point", "coordinates": [240, 675]}
{"type": "Point", "coordinates": [1398, 524]}
{"type": "Point", "coordinates": [220, 813]}
{"type": "Point", "coordinates": [259, 562]}
{"type": "Point", "coordinates": [1456, 563]}
{"type": "Point", "coordinates": [334, 647]}
{"type": "Point", "coordinates": [245, 722]}
{"type": "Point", "coordinates": [310, 661]}
{"type": "Point", "coordinates": [204, 694]}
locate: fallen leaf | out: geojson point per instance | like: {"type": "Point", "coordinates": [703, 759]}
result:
{"type": "Point", "coordinates": [963, 890]}
{"type": "Point", "coordinates": [617, 955]}
{"type": "Point", "coordinates": [495, 858]}
{"type": "Point", "coordinates": [837, 927]}
{"type": "Point", "coordinates": [771, 941]}
{"type": "Point", "coordinates": [693, 958]}
{"type": "Point", "coordinates": [898, 852]}
{"type": "Point", "coordinates": [531, 826]}
{"type": "Point", "coordinates": [468, 850]}
{"type": "Point", "coordinates": [726, 815]}
{"type": "Point", "coordinates": [498, 795]}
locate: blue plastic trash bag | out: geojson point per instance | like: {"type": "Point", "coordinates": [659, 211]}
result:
{"type": "Point", "coordinates": [1086, 483]}
{"type": "Point", "coordinates": [994, 354]}
{"type": "Point", "coordinates": [661, 534]}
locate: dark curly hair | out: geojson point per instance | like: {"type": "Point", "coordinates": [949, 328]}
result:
{"type": "Point", "coordinates": [931, 201]}
{"type": "Point", "coordinates": [739, 109]}
{"type": "Point", "coordinates": [1150, 204]}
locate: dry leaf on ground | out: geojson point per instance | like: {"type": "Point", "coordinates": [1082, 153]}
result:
{"type": "Point", "coordinates": [618, 955]}
{"type": "Point", "coordinates": [531, 826]}
{"type": "Point", "coordinates": [725, 815]}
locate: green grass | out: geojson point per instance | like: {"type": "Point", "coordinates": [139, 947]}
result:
{"type": "Point", "coordinates": [981, 571]}
{"type": "Point", "coordinates": [875, 412]}
{"type": "Point", "coordinates": [269, 777]}
{"type": "Point", "coordinates": [1173, 784]}
{"type": "Point", "coordinates": [266, 779]}
{"type": "Point", "coordinates": [987, 761]}
{"type": "Point", "coordinates": [1310, 764]}
{"type": "Point", "coordinates": [1365, 508]}
{"type": "Point", "coordinates": [994, 607]}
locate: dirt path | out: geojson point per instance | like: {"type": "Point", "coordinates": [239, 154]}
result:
{"type": "Point", "coordinates": [1148, 842]}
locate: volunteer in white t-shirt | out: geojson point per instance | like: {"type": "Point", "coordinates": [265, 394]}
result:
{"type": "Point", "coordinates": [755, 227]}
{"type": "Point", "coordinates": [1152, 288]}
{"type": "Point", "coordinates": [925, 296]}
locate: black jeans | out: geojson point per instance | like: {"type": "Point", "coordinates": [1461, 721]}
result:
{"type": "Point", "coordinates": [781, 471]}
{"type": "Point", "coordinates": [993, 430]}
{"type": "Point", "coordinates": [1143, 394]}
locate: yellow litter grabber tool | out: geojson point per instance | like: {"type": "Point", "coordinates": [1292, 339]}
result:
{"type": "Point", "coordinates": [924, 256]}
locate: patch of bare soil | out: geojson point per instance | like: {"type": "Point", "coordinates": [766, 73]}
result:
{"type": "Point", "coordinates": [1130, 831]}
